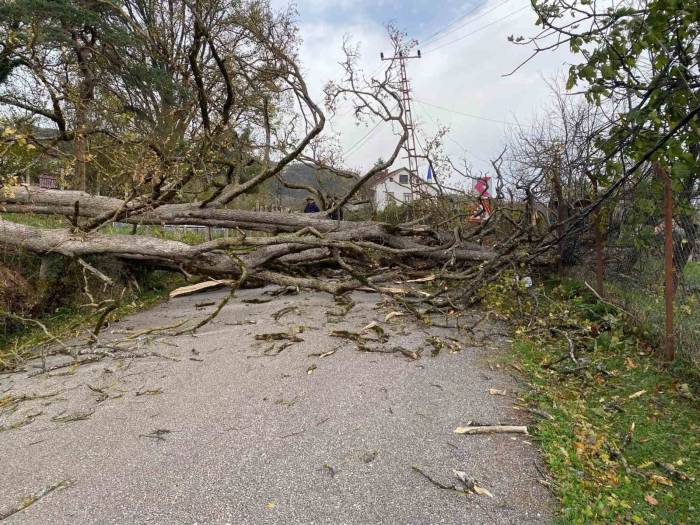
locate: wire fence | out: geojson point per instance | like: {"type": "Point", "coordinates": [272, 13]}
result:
{"type": "Point", "coordinates": [644, 257]}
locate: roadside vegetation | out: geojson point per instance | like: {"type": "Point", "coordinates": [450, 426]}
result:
{"type": "Point", "coordinates": [619, 430]}
{"type": "Point", "coordinates": [62, 303]}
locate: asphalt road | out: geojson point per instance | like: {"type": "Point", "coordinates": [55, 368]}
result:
{"type": "Point", "coordinates": [228, 434]}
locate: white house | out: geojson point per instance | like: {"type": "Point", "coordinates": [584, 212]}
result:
{"type": "Point", "coordinates": [395, 186]}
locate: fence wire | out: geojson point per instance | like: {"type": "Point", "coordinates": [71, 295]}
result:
{"type": "Point", "coordinates": [631, 252]}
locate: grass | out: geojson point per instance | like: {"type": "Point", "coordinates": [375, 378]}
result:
{"type": "Point", "coordinates": [69, 320]}
{"type": "Point", "coordinates": [642, 294]}
{"type": "Point", "coordinates": [615, 417]}
{"type": "Point", "coordinates": [61, 312]}
{"type": "Point", "coordinates": [692, 273]}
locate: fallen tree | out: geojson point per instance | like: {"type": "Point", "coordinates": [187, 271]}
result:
{"type": "Point", "coordinates": [207, 258]}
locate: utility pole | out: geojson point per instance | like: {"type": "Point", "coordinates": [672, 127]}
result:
{"type": "Point", "coordinates": [410, 145]}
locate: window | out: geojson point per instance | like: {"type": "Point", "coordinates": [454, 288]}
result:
{"type": "Point", "coordinates": [407, 197]}
{"type": "Point", "coordinates": [403, 178]}
{"type": "Point", "coordinates": [390, 196]}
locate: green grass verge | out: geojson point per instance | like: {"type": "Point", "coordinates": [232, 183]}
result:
{"type": "Point", "coordinates": [692, 273]}
{"type": "Point", "coordinates": [618, 415]}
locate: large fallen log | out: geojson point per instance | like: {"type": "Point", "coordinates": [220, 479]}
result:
{"type": "Point", "coordinates": [214, 258]}
{"type": "Point", "coordinates": [63, 202]}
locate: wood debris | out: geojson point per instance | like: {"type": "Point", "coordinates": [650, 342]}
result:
{"type": "Point", "coordinates": [33, 498]}
{"type": "Point", "coordinates": [284, 311]}
{"type": "Point", "coordinates": [157, 434]}
{"type": "Point", "coordinates": [491, 429]}
{"type": "Point", "coordinates": [78, 415]}
{"type": "Point", "coordinates": [150, 392]}
{"type": "Point", "coordinates": [199, 287]}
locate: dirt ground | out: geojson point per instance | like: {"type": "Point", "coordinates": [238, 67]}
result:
{"type": "Point", "coordinates": [222, 427]}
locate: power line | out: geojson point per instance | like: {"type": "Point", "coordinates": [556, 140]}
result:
{"type": "Point", "coordinates": [449, 136]}
{"type": "Point", "coordinates": [470, 115]}
{"type": "Point", "coordinates": [358, 145]}
{"type": "Point", "coordinates": [456, 25]}
{"type": "Point", "coordinates": [480, 29]}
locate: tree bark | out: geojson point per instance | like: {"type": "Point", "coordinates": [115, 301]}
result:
{"type": "Point", "coordinates": [212, 259]}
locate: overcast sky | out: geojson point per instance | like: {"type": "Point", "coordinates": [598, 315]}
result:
{"type": "Point", "coordinates": [459, 81]}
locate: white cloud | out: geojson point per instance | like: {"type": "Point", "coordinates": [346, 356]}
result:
{"type": "Point", "coordinates": [465, 77]}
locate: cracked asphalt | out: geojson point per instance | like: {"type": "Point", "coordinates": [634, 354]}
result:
{"type": "Point", "coordinates": [216, 428]}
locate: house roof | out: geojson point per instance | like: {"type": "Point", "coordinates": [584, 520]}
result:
{"type": "Point", "coordinates": [382, 176]}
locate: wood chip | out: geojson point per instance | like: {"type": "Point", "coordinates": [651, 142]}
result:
{"type": "Point", "coordinates": [199, 287]}
{"type": "Point", "coordinates": [494, 429]}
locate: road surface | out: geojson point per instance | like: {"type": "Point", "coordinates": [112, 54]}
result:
{"type": "Point", "coordinates": [215, 428]}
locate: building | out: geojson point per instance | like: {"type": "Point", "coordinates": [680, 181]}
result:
{"type": "Point", "coordinates": [48, 182]}
{"type": "Point", "coordinates": [395, 187]}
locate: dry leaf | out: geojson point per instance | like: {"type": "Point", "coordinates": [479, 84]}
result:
{"type": "Point", "coordinates": [637, 394]}
{"type": "Point", "coordinates": [656, 478]}
{"type": "Point", "coordinates": [391, 315]}
{"type": "Point", "coordinates": [684, 391]}
{"type": "Point", "coordinates": [630, 363]}
{"type": "Point", "coordinates": [496, 392]}
{"type": "Point", "coordinates": [482, 491]}
{"type": "Point", "coordinates": [651, 500]}
{"type": "Point", "coordinates": [370, 326]}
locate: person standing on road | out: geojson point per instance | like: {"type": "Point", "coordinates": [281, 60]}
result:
{"type": "Point", "coordinates": [311, 206]}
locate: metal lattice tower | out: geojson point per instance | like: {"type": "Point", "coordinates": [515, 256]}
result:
{"type": "Point", "coordinates": [410, 145]}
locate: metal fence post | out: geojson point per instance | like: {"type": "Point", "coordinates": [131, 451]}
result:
{"type": "Point", "coordinates": [668, 252]}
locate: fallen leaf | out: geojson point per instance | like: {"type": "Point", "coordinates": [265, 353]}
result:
{"type": "Point", "coordinates": [656, 478]}
{"type": "Point", "coordinates": [391, 315]}
{"type": "Point", "coordinates": [481, 491]}
{"type": "Point", "coordinates": [629, 362]}
{"type": "Point", "coordinates": [637, 394]}
{"type": "Point", "coordinates": [684, 391]}
{"type": "Point", "coordinates": [496, 392]}
{"type": "Point", "coordinates": [370, 326]}
{"type": "Point", "coordinates": [651, 500]}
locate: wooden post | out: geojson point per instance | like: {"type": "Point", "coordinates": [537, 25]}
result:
{"type": "Point", "coordinates": [668, 252]}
